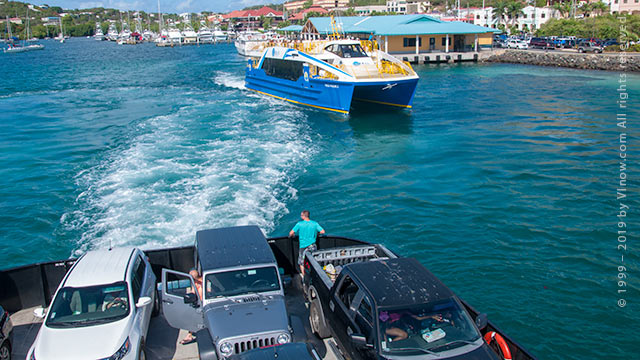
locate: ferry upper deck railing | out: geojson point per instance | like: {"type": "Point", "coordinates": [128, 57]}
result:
{"type": "Point", "coordinates": [386, 66]}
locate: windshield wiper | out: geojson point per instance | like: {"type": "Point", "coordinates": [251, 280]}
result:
{"type": "Point", "coordinates": [453, 342]}
{"type": "Point", "coordinates": [418, 349]}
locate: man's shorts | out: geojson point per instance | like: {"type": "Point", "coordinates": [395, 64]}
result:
{"type": "Point", "coordinates": [303, 251]}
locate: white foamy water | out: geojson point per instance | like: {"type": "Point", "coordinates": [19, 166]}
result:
{"type": "Point", "coordinates": [229, 80]}
{"type": "Point", "coordinates": [180, 174]}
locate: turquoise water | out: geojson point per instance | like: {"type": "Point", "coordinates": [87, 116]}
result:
{"type": "Point", "coordinates": [501, 180]}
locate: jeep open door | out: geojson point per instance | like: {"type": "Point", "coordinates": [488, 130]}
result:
{"type": "Point", "coordinates": [178, 308]}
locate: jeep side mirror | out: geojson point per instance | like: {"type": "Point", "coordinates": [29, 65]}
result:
{"type": "Point", "coordinates": [191, 298]}
{"type": "Point", "coordinates": [481, 321]}
{"type": "Point", "coordinates": [359, 340]}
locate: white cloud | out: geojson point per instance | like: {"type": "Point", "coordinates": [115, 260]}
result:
{"type": "Point", "coordinates": [90, 4]}
{"type": "Point", "coordinates": [184, 5]}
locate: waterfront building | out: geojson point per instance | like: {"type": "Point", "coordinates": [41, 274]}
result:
{"type": "Point", "coordinates": [368, 9]}
{"type": "Point", "coordinates": [624, 6]}
{"type": "Point", "coordinates": [250, 19]}
{"type": "Point", "coordinates": [397, 6]}
{"type": "Point", "coordinates": [406, 34]}
{"type": "Point", "coordinates": [298, 5]}
{"type": "Point", "coordinates": [530, 19]}
{"type": "Point", "coordinates": [299, 16]}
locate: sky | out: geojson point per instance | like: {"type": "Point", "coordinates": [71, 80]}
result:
{"type": "Point", "coordinates": [166, 6]}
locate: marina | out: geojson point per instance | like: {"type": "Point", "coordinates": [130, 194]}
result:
{"type": "Point", "coordinates": [465, 202]}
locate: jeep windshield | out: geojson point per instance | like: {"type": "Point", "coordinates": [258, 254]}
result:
{"type": "Point", "coordinates": [91, 305]}
{"type": "Point", "coordinates": [427, 328]}
{"type": "Point", "coordinates": [239, 282]}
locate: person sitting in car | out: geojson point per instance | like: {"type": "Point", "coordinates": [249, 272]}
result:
{"type": "Point", "coordinates": [400, 324]}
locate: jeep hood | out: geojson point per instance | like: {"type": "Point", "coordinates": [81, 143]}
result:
{"type": "Point", "coordinates": [237, 318]}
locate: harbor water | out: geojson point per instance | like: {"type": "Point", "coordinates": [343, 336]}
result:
{"type": "Point", "coordinates": [501, 180]}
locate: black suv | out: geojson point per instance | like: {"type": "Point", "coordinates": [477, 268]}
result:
{"type": "Point", "coordinates": [5, 335]}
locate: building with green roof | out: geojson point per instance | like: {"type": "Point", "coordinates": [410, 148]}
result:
{"type": "Point", "coordinates": [405, 34]}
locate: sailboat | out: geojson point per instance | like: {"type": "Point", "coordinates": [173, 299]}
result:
{"type": "Point", "coordinates": [60, 36]}
{"type": "Point", "coordinates": [28, 39]}
{"type": "Point", "coordinates": [12, 47]}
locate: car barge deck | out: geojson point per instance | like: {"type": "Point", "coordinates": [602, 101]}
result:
{"type": "Point", "coordinates": [28, 287]}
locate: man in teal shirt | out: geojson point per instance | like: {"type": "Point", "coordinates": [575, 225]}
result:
{"type": "Point", "coordinates": [307, 231]}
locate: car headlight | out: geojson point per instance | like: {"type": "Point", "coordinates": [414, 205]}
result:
{"type": "Point", "coordinates": [124, 350]}
{"type": "Point", "coordinates": [226, 349]}
{"type": "Point", "coordinates": [283, 338]}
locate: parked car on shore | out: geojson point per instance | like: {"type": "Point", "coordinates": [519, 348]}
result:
{"type": "Point", "coordinates": [588, 46]}
{"type": "Point", "coordinates": [541, 43]}
{"type": "Point", "coordinates": [6, 335]}
{"type": "Point", "coordinates": [101, 309]}
{"type": "Point", "coordinates": [517, 44]}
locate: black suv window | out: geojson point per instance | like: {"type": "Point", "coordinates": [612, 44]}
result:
{"type": "Point", "coordinates": [347, 291]}
{"type": "Point", "coordinates": [364, 319]}
{"type": "Point", "coordinates": [137, 277]}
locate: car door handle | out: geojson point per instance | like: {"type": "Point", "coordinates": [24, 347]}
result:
{"type": "Point", "coordinates": [167, 301]}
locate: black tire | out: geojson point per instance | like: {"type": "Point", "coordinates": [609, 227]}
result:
{"type": "Point", "coordinates": [5, 351]}
{"type": "Point", "coordinates": [316, 319]}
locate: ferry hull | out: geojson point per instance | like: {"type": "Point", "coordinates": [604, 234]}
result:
{"type": "Point", "coordinates": [394, 93]}
{"type": "Point", "coordinates": [318, 93]}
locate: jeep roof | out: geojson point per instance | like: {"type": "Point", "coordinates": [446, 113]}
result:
{"type": "Point", "coordinates": [399, 282]}
{"type": "Point", "coordinates": [231, 247]}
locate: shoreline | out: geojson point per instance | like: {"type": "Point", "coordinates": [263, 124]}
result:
{"type": "Point", "coordinates": [584, 61]}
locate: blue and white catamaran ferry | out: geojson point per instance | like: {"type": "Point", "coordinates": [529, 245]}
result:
{"type": "Point", "coordinates": [330, 74]}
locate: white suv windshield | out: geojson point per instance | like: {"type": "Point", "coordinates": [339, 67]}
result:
{"type": "Point", "coordinates": [92, 305]}
{"type": "Point", "coordinates": [239, 282]}
{"type": "Point", "coordinates": [427, 328]}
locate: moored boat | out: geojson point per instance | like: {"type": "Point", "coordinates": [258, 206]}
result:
{"type": "Point", "coordinates": [250, 43]}
{"type": "Point", "coordinates": [99, 35]}
{"type": "Point", "coordinates": [329, 74]}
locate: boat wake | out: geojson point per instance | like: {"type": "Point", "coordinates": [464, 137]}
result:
{"type": "Point", "coordinates": [229, 80]}
{"type": "Point", "coordinates": [191, 170]}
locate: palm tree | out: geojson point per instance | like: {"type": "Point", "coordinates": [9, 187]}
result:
{"type": "Point", "coordinates": [585, 9]}
{"type": "Point", "coordinates": [563, 8]}
{"type": "Point", "coordinates": [514, 9]}
{"type": "Point", "coordinates": [599, 7]}
{"type": "Point", "coordinates": [499, 10]}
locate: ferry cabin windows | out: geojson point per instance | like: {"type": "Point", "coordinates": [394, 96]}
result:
{"type": "Point", "coordinates": [444, 41]}
{"type": "Point", "coordinates": [283, 69]}
{"type": "Point", "coordinates": [410, 42]}
{"type": "Point", "coordinates": [347, 51]}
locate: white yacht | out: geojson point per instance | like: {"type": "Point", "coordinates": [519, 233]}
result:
{"type": "Point", "coordinates": [249, 43]}
{"type": "Point", "coordinates": [112, 33]}
{"type": "Point", "coordinates": [99, 35]}
{"type": "Point", "coordinates": [125, 34]}
{"type": "Point", "coordinates": [189, 36]}
{"type": "Point", "coordinates": [205, 36]}
{"type": "Point", "coordinates": [174, 35]}
{"type": "Point", "coordinates": [219, 35]}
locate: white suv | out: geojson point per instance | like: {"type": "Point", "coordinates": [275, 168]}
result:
{"type": "Point", "coordinates": [517, 44]}
{"type": "Point", "coordinates": [101, 309]}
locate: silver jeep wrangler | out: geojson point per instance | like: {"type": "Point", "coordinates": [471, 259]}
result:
{"type": "Point", "coordinates": [243, 305]}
